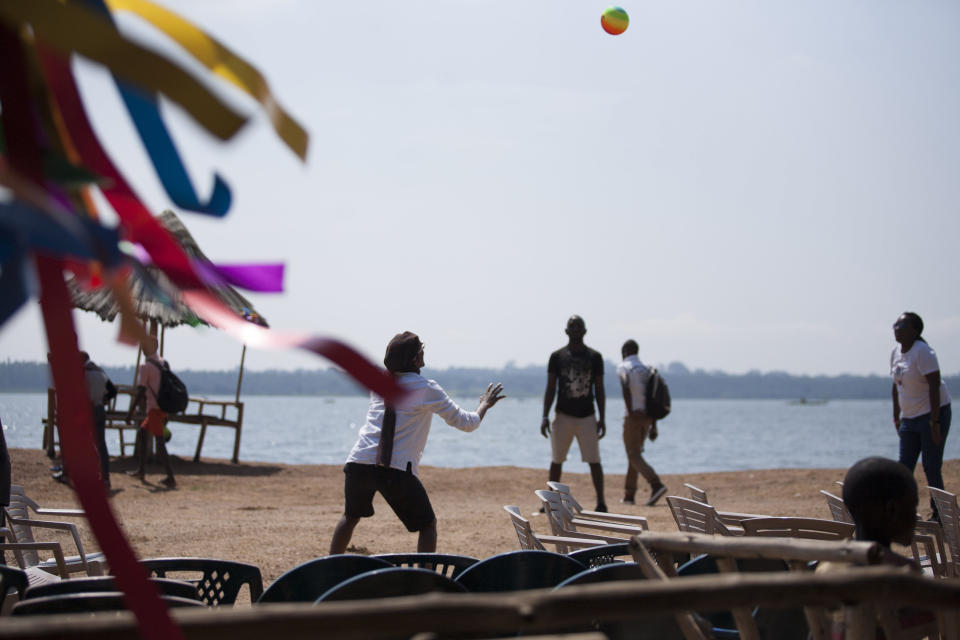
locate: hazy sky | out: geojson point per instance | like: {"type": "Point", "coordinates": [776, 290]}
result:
{"type": "Point", "coordinates": [753, 184]}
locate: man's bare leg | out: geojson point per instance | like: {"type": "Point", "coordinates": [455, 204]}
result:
{"type": "Point", "coordinates": [427, 542]}
{"type": "Point", "coordinates": [342, 534]}
{"type": "Point", "coordinates": [556, 468]}
{"type": "Point", "coordinates": [169, 481]}
{"type": "Point", "coordinates": [596, 474]}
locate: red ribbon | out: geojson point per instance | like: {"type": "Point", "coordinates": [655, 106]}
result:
{"type": "Point", "coordinates": [75, 422]}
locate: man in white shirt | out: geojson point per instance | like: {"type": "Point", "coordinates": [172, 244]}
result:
{"type": "Point", "coordinates": [637, 425]}
{"type": "Point", "coordinates": [387, 454]}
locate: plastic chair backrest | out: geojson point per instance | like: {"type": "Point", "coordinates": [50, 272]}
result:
{"type": "Point", "coordinates": [87, 603]}
{"type": "Point", "coordinates": [391, 583]}
{"type": "Point", "coordinates": [525, 534]}
{"type": "Point", "coordinates": [605, 573]}
{"type": "Point", "coordinates": [772, 623]}
{"type": "Point", "coordinates": [11, 578]}
{"type": "Point", "coordinates": [699, 517]}
{"type": "Point", "coordinates": [310, 580]}
{"type": "Point", "coordinates": [446, 564]}
{"type": "Point", "coordinates": [838, 510]}
{"type": "Point", "coordinates": [809, 528]}
{"type": "Point", "coordinates": [219, 581]}
{"type": "Point", "coordinates": [519, 570]}
{"type": "Point", "coordinates": [606, 554]}
{"type": "Point", "coordinates": [949, 514]}
{"type": "Point", "coordinates": [696, 493]}
{"type": "Point", "coordinates": [100, 584]}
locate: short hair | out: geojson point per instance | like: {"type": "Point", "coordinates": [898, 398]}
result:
{"type": "Point", "coordinates": [630, 348]}
{"type": "Point", "coordinates": [402, 351]}
{"type": "Point", "coordinates": [874, 481]}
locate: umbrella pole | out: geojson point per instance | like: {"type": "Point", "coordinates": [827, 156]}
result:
{"type": "Point", "coordinates": [163, 335]}
{"type": "Point", "coordinates": [243, 355]}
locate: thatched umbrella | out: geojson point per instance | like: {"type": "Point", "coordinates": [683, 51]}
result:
{"type": "Point", "coordinates": [158, 302]}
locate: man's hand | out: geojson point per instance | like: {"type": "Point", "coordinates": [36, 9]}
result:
{"type": "Point", "coordinates": [896, 422]}
{"type": "Point", "coordinates": [653, 432]}
{"type": "Point", "coordinates": [601, 429]}
{"type": "Point", "coordinates": [545, 427]}
{"type": "Point", "coordinates": [935, 434]}
{"type": "Point", "coordinates": [490, 397]}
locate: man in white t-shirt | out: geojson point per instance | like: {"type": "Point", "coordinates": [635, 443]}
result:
{"type": "Point", "coordinates": [637, 425]}
{"type": "Point", "coordinates": [921, 401]}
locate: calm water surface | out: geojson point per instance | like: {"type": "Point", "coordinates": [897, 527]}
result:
{"type": "Point", "coordinates": [700, 435]}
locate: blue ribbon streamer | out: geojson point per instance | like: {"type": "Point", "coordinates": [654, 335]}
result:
{"type": "Point", "coordinates": [145, 113]}
{"type": "Point", "coordinates": [25, 228]}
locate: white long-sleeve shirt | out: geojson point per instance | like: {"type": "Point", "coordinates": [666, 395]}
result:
{"type": "Point", "coordinates": [425, 398]}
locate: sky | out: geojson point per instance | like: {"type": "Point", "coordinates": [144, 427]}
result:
{"type": "Point", "coordinates": [737, 185]}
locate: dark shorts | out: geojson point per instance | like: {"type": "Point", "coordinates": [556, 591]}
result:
{"type": "Point", "coordinates": [402, 490]}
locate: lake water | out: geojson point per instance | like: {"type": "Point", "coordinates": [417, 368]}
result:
{"type": "Point", "coordinates": [699, 435]}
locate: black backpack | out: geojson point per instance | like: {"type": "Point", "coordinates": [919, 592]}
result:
{"type": "Point", "coordinates": [658, 396]}
{"type": "Point", "coordinates": [172, 396]}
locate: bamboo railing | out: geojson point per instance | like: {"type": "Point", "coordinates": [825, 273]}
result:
{"type": "Point", "coordinates": [540, 611]}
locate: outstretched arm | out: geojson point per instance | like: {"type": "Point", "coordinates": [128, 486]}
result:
{"type": "Point", "coordinates": [548, 396]}
{"type": "Point", "coordinates": [490, 397]}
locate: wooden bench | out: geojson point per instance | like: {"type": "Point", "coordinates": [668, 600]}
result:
{"type": "Point", "coordinates": [199, 411]}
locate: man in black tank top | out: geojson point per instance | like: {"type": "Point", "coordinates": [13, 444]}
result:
{"type": "Point", "coordinates": [575, 377]}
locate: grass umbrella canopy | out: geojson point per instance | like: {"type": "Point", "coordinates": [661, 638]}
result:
{"type": "Point", "coordinates": [154, 296]}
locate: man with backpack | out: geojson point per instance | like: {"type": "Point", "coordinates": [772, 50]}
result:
{"type": "Point", "coordinates": [148, 388]}
{"type": "Point", "coordinates": [635, 378]}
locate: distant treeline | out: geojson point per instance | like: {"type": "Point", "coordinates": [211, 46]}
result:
{"type": "Point", "coordinates": [517, 381]}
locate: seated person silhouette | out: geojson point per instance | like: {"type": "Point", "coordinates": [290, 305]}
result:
{"type": "Point", "coordinates": [882, 497]}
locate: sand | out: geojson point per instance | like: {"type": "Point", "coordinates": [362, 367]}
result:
{"type": "Point", "coordinates": [278, 516]}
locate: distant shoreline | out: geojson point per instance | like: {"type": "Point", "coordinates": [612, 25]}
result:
{"type": "Point", "coordinates": [520, 382]}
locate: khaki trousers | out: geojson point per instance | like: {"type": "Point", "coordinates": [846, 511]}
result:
{"type": "Point", "coordinates": [635, 430]}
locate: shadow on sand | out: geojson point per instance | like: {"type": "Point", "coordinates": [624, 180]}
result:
{"type": "Point", "coordinates": [187, 467]}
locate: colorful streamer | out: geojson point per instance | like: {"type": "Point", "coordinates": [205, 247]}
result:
{"type": "Point", "coordinates": [264, 278]}
{"type": "Point", "coordinates": [41, 221]}
{"type": "Point", "coordinates": [223, 62]}
{"type": "Point", "coordinates": [145, 113]}
{"type": "Point", "coordinates": [70, 28]}
{"type": "Point", "coordinates": [76, 423]}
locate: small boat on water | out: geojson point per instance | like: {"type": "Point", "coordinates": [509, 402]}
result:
{"type": "Point", "coordinates": [808, 401]}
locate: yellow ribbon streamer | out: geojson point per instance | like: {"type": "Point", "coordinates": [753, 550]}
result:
{"type": "Point", "coordinates": [69, 27]}
{"type": "Point", "coordinates": [223, 62]}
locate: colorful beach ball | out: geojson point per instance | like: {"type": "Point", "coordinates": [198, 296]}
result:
{"type": "Point", "coordinates": [614, 21]}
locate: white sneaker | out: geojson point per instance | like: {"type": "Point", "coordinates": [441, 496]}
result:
{"type": "Point", "coordinates": [656, 494]}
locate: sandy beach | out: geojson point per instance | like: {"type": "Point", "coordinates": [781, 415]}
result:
{"type": "Point", "coordinates": [278, 516]}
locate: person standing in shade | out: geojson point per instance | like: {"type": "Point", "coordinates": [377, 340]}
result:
{"type": "Point", "coordinates": [100, 390]}
{"type": "Point", "coordinates": [386, 457]}
{"type": "Point", "coordinates": [637, 425]}
{"type": "Point", "coordinates": [147, 389]}
{"type": "Point", "coordinates": [921, 402]}
{"type": "Point", "coordinates": [575, 377]}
